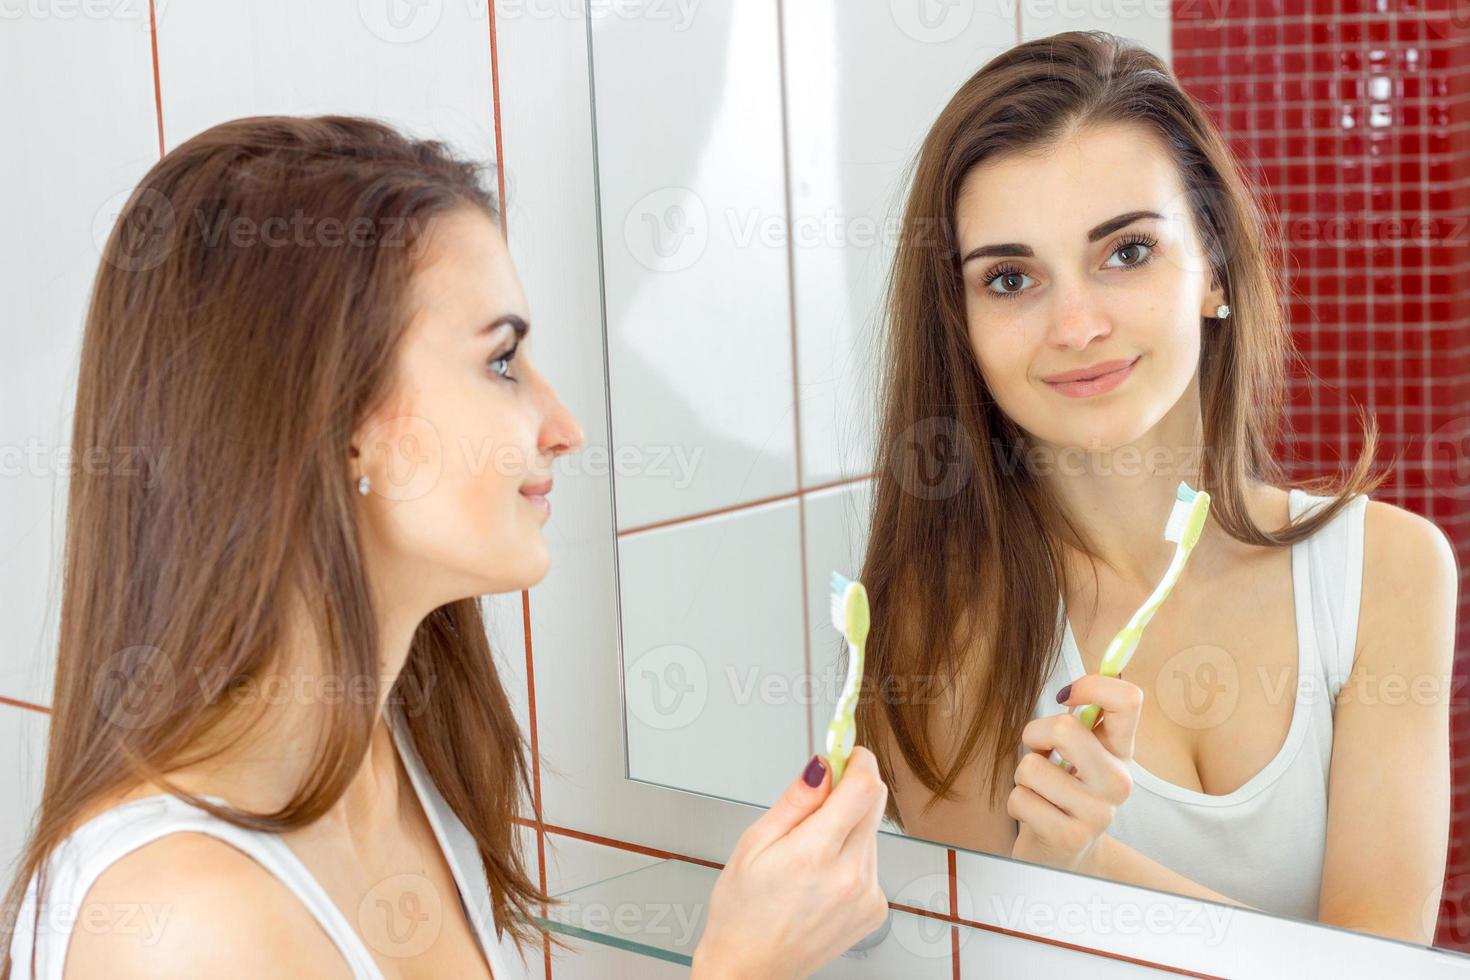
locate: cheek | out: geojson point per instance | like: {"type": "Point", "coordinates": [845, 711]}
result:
{"type": "Point", "coordinates": [1002, 356]}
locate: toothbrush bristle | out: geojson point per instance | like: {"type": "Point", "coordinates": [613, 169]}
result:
{"type": "Point", "coordinates": [839, 602]}
{"type": "Point", "coordinates": [849, 608]}
{"type": "Point", "coordinates": [1187, 519]}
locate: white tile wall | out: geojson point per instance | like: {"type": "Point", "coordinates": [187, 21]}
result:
{"type": "Point", "coordinates": [854, 129]}
{"type": "Point", "coordinates": [712, 653]}
{"type": "Point", "coordinates": [76, 140]}
{"type": "Point", "coordinates": [696, 292]}
{"type": "Point", "coordinates": [22, 769]}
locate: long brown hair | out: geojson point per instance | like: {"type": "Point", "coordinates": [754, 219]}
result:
{"type": "Point", "coordinates": [247, 370]}
{"type": "Point", "coordinates": [973, 557]}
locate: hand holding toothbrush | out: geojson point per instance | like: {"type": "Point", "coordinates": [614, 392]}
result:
{"type": "Point", "coordinates": [1064, 813]}
{"type": "Point", "coordinates": [1185, 525]}
{"type": "Point", "coordinates": [801, 886]}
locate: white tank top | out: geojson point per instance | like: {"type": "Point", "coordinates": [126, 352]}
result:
{"type": "Point", "coordinates": [1262, 843]}
{"type": "Point", "coordinates": [81, 858]}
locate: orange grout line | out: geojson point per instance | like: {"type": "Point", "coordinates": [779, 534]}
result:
{"type": "Point", "coordinates": [952, 918]}
{"type": "Point", "coordinates": [630, 846]}
{"type": "Point", "coordinates": [525, 594]}
{"type": "Point", "coordinates": [157, 85]}
{"type": "Point", "coordinates": [746, 505]}
{"type": "Point", "coordinates": [954, 908]}
{"type": "Point", "coordinates": [25, 704]}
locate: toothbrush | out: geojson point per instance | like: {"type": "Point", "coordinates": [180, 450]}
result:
{"type": "Point", "coordinates": [1186, 521]}
{"type": "Point", "coordinates": [850, 617]}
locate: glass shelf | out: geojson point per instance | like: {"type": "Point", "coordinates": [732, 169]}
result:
{"type": "Point", "coordinates": [659, 911]}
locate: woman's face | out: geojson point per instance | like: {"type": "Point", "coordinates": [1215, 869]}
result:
{"type": "Point", "coordinates": [1070, 288]}
{"type": "Point", "coordinates": [458, 460]}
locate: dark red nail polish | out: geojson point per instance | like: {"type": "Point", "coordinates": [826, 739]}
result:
{"type": "Point", "coordinates": [814, 772]}
{"type": "Point", "coordinates": [1062, 694]}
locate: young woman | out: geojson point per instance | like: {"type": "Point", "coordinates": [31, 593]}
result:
{"type": "Point", "coordinates": [1074, 214]}
{"type": "Point", "coordinates": [275, 706]}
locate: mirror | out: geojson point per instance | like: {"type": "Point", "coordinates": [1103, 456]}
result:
{"type": "Point", "coordinates": [753, 163]}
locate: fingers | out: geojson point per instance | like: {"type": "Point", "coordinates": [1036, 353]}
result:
{"type": "Point", "coordinates": [850, 805]}
{"type": "Point", "coordinates": [1098, 769]}
{"type": "Point", "coordinates": [1068, 793]}
{"type": "Point", "coordinates": [1030, 809]}
{"type": "Point", "coordinates": [1121, 704]}
{"type": "Point", "coordinates": [795, 804]}
{"type": "Point", "coordinates": [865, 833]}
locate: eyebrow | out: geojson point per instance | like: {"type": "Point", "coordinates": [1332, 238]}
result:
{"type": "Point", "coordinates": [519, 324]}
{"type": "Point", "coordinates": [1106, 228]}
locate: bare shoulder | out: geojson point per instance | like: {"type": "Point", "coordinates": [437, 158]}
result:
{"type": "Point", "coordinates": [1410, 589]}
{"type": "Point", "coordinates": [190, 905]}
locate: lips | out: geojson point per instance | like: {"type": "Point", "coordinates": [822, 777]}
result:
{"type": "Point", "coordinates": [536, 494]}
{"type": "Point", "coordinates": [1088, 373]}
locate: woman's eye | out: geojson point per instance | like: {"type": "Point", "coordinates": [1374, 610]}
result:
{"type": "Point", "coordinates": [1009, 276]}
{"type": "Point", "coordinates": [1005, 275]}
{"type": "Point", "coordinates": [1133, 245]}
{"type": "Point", "coordinates": [500, 365]}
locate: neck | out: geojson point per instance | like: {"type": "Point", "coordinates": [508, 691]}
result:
{"type": "Point", "coordinates": [264, 759]}
{"type": "Point", "coordinates": [1120, 497]}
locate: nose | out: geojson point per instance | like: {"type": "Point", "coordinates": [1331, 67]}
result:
{"type": "Point", "coordinates": [561, 433]}
{"type": "Point", "coordinates": [1078, 320]}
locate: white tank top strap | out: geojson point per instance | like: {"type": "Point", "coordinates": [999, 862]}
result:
{"type": "Point", "coordinates": [80, 860]}
{"type": "Point", "coordinates": [1336, 556]}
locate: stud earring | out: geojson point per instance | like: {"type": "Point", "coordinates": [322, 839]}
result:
{"type": "Point", "coordinates": [1222, 312]}
{"type": "Point", "coordinates": [363, 485]}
